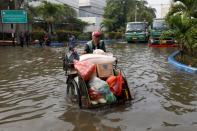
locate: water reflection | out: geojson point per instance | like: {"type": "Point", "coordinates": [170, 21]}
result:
{"type": "Point", "coordinates": [87, 121]}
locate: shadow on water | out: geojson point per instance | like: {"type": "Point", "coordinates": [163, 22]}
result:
{"type": "Point", "coordinates": [32, 93]}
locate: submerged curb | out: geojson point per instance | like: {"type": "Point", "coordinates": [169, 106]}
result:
{"type": "Point", "coordinates": [181, 66]}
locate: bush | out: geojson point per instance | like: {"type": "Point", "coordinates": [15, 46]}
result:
{"type": "Point", "coordinates": [62, 35]}
{"type": "Point", "coordinates": [6, 36]}
{"type": "Point", "coordinates": [37, 35]}
{"type": "Point", "coordinates": [84, 36]}
{"type": "Point", "coordinates": [113, 35]}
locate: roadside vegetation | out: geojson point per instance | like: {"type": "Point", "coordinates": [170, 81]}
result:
{"type": "Point", "coordinates": [58, 20]}
{"type": "Point", "coordinates": [182, 18]}
{"type": "Point", "coordinates": [119, 12]}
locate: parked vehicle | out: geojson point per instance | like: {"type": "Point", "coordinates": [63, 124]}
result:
{"type": "Point", "coordinates": [136, 32]}
{"type": "Point", "coordinates": [158, 27]}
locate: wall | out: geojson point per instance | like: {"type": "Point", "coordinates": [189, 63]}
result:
{"type": "Point", "coordinates": [94, 23]}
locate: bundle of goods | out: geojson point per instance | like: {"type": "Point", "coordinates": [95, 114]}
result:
{"type": "Point", "coordinates": [85, 69]}
{"type": "Point", "coordinates": [104, 83]}
{"type": "Point", "coordinates": [99, 91]}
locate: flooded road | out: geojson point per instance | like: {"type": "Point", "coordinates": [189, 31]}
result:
{"type": "Point", "coordinates": [33, 98]}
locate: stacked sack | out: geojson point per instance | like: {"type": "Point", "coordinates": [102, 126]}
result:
{"type": "Point", "coordinates": [100, 63]}
{"type": "Point", "coordinates": [101, 89]}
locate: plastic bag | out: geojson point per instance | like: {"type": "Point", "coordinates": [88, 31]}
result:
{"type": "Point", "coordinates": [115, 83]}
{"type": "Point", "coordinates": [101, 87]}
{"type": "Point", "coordinates": [85, 69]}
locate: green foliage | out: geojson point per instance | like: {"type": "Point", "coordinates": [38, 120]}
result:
{"type": "Point", "coordinates": [63, 35]}
{"type": "Point", "coordinates": [75, 24]}
{"type": "Point", "coordinates": [168, 33]}
{"type": "Point", "coordinates": [37, 35]}
{"type": "Point", "coordinates": [119, 12]}
{"type": "Point", "coordinates": [54, 13]}
{"type": "Point", "coordinates": [4, 4]}
{"type": "Point", "coordinates": [113, 35]}
{"type": "Point", "coordinates": [182, 17]}
{"type": "Point", "coordinates": [143, 13]}
{"type": "Point", "coordinates": [84, 36]}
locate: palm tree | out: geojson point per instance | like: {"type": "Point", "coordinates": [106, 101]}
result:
{"type": "Point", "coordinates": [182, 17]}
{"type": "Point", "coordinates": [186, 6]}
{"type": "Point", "coordinates": [54, 13]}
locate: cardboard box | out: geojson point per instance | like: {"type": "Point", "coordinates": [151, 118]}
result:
{"type": "Point", "coordinates": [104, 70]}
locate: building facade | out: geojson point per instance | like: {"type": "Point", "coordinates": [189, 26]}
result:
{"type": "Point", "coordinates": [92, 11]}
{"type": "Point", "coordinates": [164, 10]}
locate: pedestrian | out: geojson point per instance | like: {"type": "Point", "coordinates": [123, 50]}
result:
{"type": "Point", "coordinates": [72, 41]}
{"type": "Point", "coordinates": [27, 38]}
{"type": "Point", "coordinates": [72, 54]}
{"type": "Point", "coordinates": [95, 43]}
{"type": "Point", "coordinates": [21, 37]}
{"type": "Point", "coordinates": [46, 39]}
{"type": "Point", "coordinates": [13, 39]}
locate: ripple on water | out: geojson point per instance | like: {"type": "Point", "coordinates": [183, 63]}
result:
{"type": "Point", "coordinates": [32, 92]}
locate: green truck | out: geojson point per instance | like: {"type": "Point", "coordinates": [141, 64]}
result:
{"type": "Point", "coordinates": [158, 27]}
{"type": "Point", "coordinates": [136, 32]}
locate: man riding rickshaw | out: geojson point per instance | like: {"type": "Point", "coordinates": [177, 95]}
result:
{"type": "Point", "coordinates": [97, 80]}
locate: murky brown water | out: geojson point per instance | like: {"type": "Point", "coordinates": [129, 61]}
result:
{"type": "Point", "coordinates": [32, 93]}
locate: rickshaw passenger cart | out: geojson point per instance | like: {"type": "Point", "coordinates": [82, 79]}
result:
{"type": "Point", "coordinates": [77, 89]}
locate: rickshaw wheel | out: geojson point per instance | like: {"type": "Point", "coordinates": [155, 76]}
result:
{"type": "Point", "coordinates": [73, 92]}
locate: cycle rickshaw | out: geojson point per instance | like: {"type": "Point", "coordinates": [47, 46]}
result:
{"type": "Point", "coordinates": [77, 87]}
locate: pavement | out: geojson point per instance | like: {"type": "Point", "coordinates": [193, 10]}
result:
{"type": "Point", "coordinates": [6, 43]}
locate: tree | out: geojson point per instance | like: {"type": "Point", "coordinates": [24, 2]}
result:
{"type": "Point", "coordinates": [118, 12]}
{"type": "Point", "coordinates": [182, 17]}
{"type": "Point", "coordinates": [4, 4]}
{"type": "Point", "coordinates": [115, 14]}
{"type": "Point", "coordinates": [54, 13]}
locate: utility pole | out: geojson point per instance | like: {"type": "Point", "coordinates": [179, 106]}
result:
{"type": "Point", "coordinates": [16, 5]}
{"type": "Point", "coordinates": [124, 11]}
{"type": "Point", "coordinates": [135, 13]}
{"type": "Point", "coordinates": [11, 6]}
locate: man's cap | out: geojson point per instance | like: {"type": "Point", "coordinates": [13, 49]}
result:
{"type": "Point", "coordinates": [96, 33]}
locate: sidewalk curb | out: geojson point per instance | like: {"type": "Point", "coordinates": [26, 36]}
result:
{"type": "Point", "coordinates": [180, 66]}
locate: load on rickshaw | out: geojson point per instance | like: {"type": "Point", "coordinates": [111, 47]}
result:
{"type": "Point", "coordinates": [94, 80]}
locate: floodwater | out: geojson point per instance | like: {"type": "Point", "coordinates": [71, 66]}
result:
{"type": "Point", "coordinates": [33, 98]}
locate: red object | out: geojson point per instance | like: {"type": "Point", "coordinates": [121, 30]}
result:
{"type": "Point", "coordinates": [46, 37]}
{"type": "Point", "coordinates": [96, 33]}
{"type": "Point", "coordinates": [162, 45]}
{"type": "Point", "coordinates": [94, 95]}
{"type": "Point", "coordinates": [85, 69]}
{"type": "Point", "coordinates": [115, 83]}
